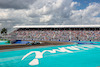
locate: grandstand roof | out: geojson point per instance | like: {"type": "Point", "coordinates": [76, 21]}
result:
{"type": "Point", "coordinates": [58, 26]}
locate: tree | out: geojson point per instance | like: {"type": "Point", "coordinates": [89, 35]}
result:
{"type": "Point", "coordinates": [4, 31]}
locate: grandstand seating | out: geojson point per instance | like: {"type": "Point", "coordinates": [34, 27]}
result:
{"type": "Point", "coordinates": [57, 35]}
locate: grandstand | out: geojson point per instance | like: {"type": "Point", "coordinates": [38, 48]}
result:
{"type": "Point", "coordinates": [57, 32]}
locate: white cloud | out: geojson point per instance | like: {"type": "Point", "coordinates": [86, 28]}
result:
{"type": "Point", "coordinates": [3, 14]}
{"type": "Point", "coordinates": [58, 3]}
{"type": "Point", "coordinates": [87, 16]}
{"type": "Point", "coordinates": [0, 24]}
{"type": "Point", "coordinates": [73, 4]}
{"type": "Point", "coordinates": [50, 12]}
{"type": "Point", "coordinates": [45, 18]}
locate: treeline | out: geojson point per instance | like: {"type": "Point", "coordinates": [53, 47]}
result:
{"type": "Point", "coordinates": [3, 31]}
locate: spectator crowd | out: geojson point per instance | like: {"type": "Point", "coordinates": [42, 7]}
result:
{"type": "Point", "coordinates": [57, 35]}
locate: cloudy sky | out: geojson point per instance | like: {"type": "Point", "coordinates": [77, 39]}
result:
{"type": "Point", "coordinates": [49, 12]}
